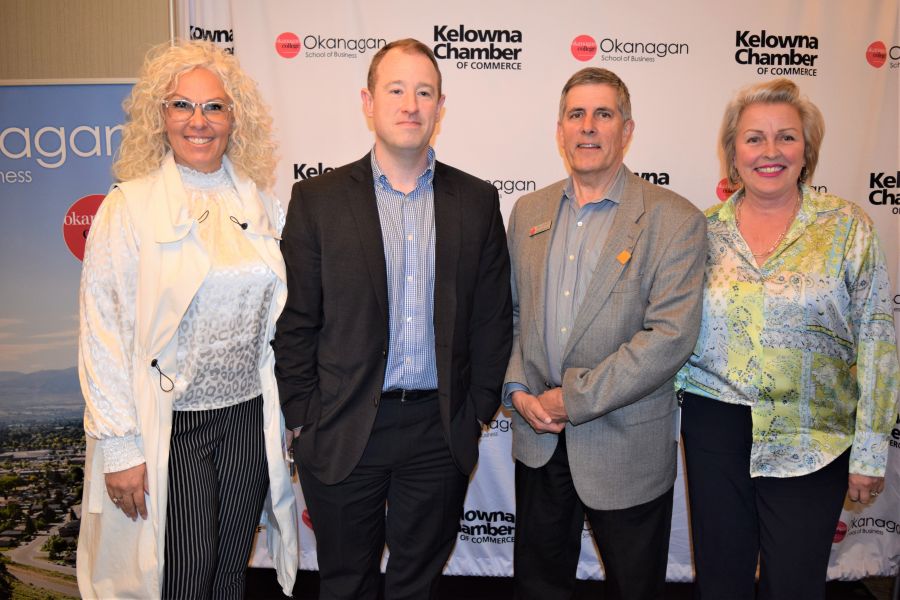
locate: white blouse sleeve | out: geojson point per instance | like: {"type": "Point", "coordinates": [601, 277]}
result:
{"type": "Point", "coordinates": [106, 334]}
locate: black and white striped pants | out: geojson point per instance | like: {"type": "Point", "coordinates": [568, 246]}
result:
{"type": "Point", "coordinates": [218, 480]}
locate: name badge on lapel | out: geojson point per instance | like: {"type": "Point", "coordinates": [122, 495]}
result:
{"type": "Point", "coordinates": [545, 226]}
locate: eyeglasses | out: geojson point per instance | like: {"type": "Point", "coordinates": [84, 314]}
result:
{"type": "Point", "coordinates": [182, 110]}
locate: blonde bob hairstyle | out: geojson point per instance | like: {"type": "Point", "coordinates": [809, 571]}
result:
{"type": "Point", "coordinates": [776, 91]}
{"type": "Point", "coordinates": [251, 147]}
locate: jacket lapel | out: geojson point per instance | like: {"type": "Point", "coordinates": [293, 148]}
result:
{"type": "Point", "coordinates": [538, 252]}
{"type": "Point", "coordinates": [360, 196]}
{"type": "Point", "coordinates": [447, 226]}
{"type": "Point", "coordinates": [623, 236]}
{"type": "Point", "coordinates": [183, 262]}
{"type": "Point", "coordinates": [258, 212]}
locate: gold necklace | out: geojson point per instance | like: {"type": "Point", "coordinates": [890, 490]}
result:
{"type": "Point", "coordinates": [737, 222]}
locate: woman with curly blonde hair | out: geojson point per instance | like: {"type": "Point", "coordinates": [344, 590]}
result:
{"type": "Point", "coordinates": [181, 286]}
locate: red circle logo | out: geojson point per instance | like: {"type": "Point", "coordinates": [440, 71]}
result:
{"type": "Point", "coordinates": [876, 54]}
{"type": "Point", "coordinates": [287, 45]}
{"type": "Point", "coordinates": [304, 516]}
{"type": "Point", "coordinates": [724, 190]}
{"type": "Point", "coordinates": [77, 223]}
{"type": "Point", "coordinates": [840, 532]}
{"type": "Point", "coordinates": [584, 47]}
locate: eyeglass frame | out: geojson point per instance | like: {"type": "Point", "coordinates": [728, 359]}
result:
{"type": "Point", "coordinates": [228, 106]}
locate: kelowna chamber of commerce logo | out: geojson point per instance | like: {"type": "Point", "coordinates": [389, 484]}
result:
{"type": "Point", "coordinates": [217, 36]}
{"type": "Point", "coordinates": [777, 54]}
{"type": "Point", "coordinates": [479, 49]}
{"type": "Point", "coordinates": [289, 45]}
{"type": "Point", "coordinates": [878, 53]}
{"type": "Point", "coordinates": [77, 223]}
{"type": "Point", "coordinates": [883, 190]}
{"type": "Point", "coordinates": [304, 171]}
{"type": "Point", "coordinates": [895, 432]}
{"type": "Point", "coordinates": [483, 527]}
{"type": "Point", "coordinates": [654, 177]}
{"type": "Point", "coordinates": [614, 49]}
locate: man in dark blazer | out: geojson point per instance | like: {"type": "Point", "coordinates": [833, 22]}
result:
{"type": "Point", "coordinates": [391, 349]}
{"type": "Point", "coordinates": [607, 291]}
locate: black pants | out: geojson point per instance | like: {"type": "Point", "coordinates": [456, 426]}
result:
{"type": "Point", "coordinates": [408, 465]}
{"type": "Point", "coordinates": [786, 523]}
{"type": "Point", "coordinates": [218, 478]}
{"type": "Point", "coordinates": [633, 542]}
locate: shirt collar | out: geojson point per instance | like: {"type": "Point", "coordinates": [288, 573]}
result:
{"type": "Point", "coordinates": [426, 178]}
{"type": "Point", "coordinates": [613, 194]}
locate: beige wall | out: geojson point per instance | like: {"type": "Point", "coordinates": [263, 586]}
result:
{"type": "Point", "coordinates": [78, 39]}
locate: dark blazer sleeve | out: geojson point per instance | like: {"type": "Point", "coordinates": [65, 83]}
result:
{"type": "Point", "coordinates": [297, 330]}
{"type": "Point", "coordinates": [490, 329]}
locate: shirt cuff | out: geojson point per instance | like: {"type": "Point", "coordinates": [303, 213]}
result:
{"type": "Point", "coordinates": [868, 455]}
{"type": "Point", "coordinates": [120, 453]}
{"type": "Point", "coordinates": [508, 389]}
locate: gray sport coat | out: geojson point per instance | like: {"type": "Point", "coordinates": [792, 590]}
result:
{"type": "Point", "coordinates": [635, 328]}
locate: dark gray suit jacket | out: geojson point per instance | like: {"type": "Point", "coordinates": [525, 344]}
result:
{"type": "Point", "coordinates": [331, 341]}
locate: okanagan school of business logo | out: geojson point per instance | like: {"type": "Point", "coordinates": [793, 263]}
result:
{"type": "Point", "coordinates": [289, 45]}
{"type": "Point", "coordinates": [614, 49]}
{"type": "Point", "coordinates": [777, 54]}
{"type": "Point", "coordinates": [496, 427]}
{"type": "Point", "coordinates": [49, 147]}
{"type": "Point", "coordinates": [724, 189]}
{"type": "Point", "coordinates": [517, 187]}
{"type": "Point", "coordinates": [584, 48]}
{"type": "Point", "coordinates": [840, 532]}
{"type": "Point", "coordinates": [479, 49]}
{"type": "Point", "coordinates": [877, 54]}
{"type": "Point", "coordinates": [77, 223]}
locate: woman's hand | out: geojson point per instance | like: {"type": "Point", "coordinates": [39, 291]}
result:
{"type": "Point", "coordinates": [864, 489]}
{"type": "Point", "coordinates": [127, 488]}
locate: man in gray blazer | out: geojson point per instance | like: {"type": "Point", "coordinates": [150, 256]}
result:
{"type": "Point", "coordinates": [607, 274]}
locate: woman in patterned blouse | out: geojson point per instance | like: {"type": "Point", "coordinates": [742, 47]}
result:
{"type": "Point", "coordinates": [790, 394]}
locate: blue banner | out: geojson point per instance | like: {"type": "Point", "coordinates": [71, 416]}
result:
{"type": "Point", "coordinates": [57, 144]}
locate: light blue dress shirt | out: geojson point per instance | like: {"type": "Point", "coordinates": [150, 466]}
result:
{"type": "Point", "coordinates": [579, 234]}
{"type": "Point", "coordinates": [407, 230]}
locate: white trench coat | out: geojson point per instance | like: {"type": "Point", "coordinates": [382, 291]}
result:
{"type": "Point", "coordinates": [119, 558]}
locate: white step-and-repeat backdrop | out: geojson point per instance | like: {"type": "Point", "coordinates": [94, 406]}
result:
{"type": "Point", "coordinates": [503, 64]}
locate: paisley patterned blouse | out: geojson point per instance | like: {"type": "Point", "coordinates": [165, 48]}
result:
{"type": "Point", "coordinates": [806, 340]}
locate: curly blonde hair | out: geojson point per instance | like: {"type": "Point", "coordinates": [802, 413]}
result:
{"type": "Point", "coordinates": [251, 146]}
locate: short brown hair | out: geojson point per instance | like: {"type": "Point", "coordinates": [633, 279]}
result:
{"type": "Point", "coordinates": [598, 76]}
{"type": "Point", "coordinates": [408, 45]}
